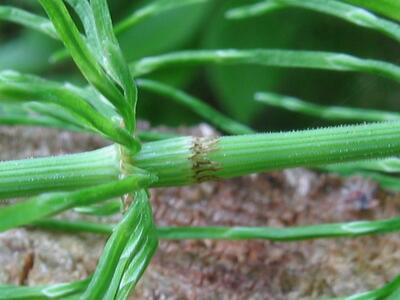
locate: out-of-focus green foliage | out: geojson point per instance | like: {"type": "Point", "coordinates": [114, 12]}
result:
{"type": "Point", "coordinates": [389, 8]}
{"type": "Point", "coordinates": [204, 25]}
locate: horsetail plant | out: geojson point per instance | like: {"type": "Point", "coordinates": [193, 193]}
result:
{"type": "Point", "coordinates": [129, 167]}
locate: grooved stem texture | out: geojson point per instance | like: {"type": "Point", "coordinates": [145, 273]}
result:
{"type": "Point", "coordinates": [189, 160]}
{"type": "Point", "coordinates": [59, 173]}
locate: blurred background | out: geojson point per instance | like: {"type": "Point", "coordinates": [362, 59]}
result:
{"type": "Point", "coordinates": [230, 89]}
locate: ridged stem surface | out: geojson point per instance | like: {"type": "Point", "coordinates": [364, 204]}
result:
{"type": "Point", "coordinates": [58, 173]}
{"type": "Point", "coordinates": [189, 160]}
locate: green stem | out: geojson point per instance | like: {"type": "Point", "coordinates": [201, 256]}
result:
{"type": "Point", "coordinates": [197, 106]}
{"type": "Point", "coordinates": [48, 291]}
{"type": "Point", "coordinates": [350, 13]}
{"type": "Point", "coordinates": [268, 57]}
{"type": "Point", "coordinates": [295, 233]}
{"type": "Point", "coordinates": [33, 176]}
{"type": "Point", "coordinates": [48, 204]}
{"type": "Point", "coordinates": [388, 292]}
{"type": "Point", "coordinates": [325, 112]}
{"type": "Point", "coordinates": [189, 160]}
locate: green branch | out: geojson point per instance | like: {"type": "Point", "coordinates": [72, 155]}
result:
{"type": "Point", "coordinates": [45, 205]}
{"type": "Point", "coordinates": [325, 112]}
{"type": "Point", "coordinates": [127, 253]}
{"type": "Point", "coordinates": [388, 292]}
{"type": "Point", "coordinates": [350, 13]}
{"type": "Point", "coordinates": [388, 8]}
{"type": "Point", "coordinates": [139, 15]}
{"type": "Point", "coordinates": [86, 59]}
{"type": "Point", "coordinates": [59, 100]}
{"type": "Point", "coordinates": [152, 9]}
{"type": "Point", "coordinates": [27, 19]}
{"type": "Point", "coordinates": [334, 230]}
{"type": "Point", "coordinates": [273, 58]}
{"type": "Point", "coordinates": [54, 291]}
{"type": "Point", "coordinates": [197, 106]}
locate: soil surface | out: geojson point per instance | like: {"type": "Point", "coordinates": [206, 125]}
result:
{"type": "Point", "coordinates": [208, 269]}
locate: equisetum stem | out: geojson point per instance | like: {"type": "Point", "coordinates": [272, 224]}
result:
{"type": "Point", "coordinates": [58, 173]}
{"type": "Point", "coordinates": [189, 160]}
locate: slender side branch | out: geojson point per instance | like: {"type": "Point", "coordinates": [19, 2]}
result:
{"type": "Point", "coordinates": [45, 205]}
{"type": "Point", "coordinates": [268, 57]}
{"type": "Point", "coordinates": [48, 291]}
{"type": "Point", "coordinates": [27, 19]}
{"type": "Point", "coordinates": [151, 9]}
{"type": "Point", "coordinates": [197, 106]}
{"type": "Point", "coordinates": [295, 233]}
{"type": "Point", "coordinates": [350, 13]}
{"type": "Point", "coordinates": [325, 112]}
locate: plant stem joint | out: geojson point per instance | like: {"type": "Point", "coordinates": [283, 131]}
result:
{"type": "Point", "coordinates": [203, 167]}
